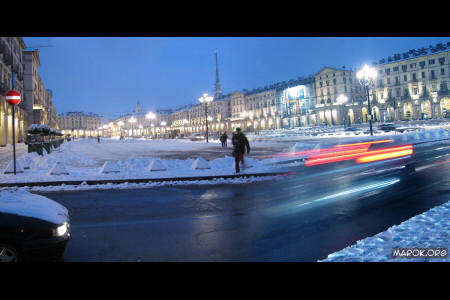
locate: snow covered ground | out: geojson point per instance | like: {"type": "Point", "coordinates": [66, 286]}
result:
{"type": "Point", "coordinates": [84, 158]}
{"type": "Point", "coordinates": [428, 230]}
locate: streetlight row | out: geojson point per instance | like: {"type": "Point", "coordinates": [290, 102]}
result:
{"type": "Point", "coordinates": [366, 77]}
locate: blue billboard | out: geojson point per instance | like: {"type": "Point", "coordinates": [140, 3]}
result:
{"type": "Point", "coordinates": [295, 93]}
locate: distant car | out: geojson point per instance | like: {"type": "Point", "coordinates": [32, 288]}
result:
{"type": "Point", "coordinates": [33, 229]}
{"type": "Point", "coordinates": [197, 137]}
{"type": "Point", "coordinates": [387, 127]}
{"type": "Point", "coordinates": [352, 130]}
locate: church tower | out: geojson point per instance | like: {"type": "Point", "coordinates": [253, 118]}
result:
{"type": "Point", "coordinates": [217, 86]}
{"type": "Point", "coordinates": [138, 107]}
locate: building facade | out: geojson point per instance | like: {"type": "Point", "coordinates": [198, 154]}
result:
{"type": "Point", "coordinates": [11, 62]}
{"type": "Point", "coordinates": [36, 107]}
{"type": "Point", "coordinates": [330, 84]}
{"type": "Point", "coordinates": [413, 85]}
{"type": "Point", "coordinates": [409, 86]}
{"type": "Point", "coordinates": [38, 99]}
{"type": "Point", "coordinates": [81, 124]}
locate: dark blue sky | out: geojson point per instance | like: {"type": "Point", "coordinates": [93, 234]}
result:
{"type": "Point", "coordinates": [108, 75]}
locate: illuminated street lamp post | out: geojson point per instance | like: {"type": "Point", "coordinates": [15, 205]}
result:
{"type": "Point", "coordinates": [244, 115]}
{"type": "Point", "coordinates": [341, 100]}
{"type": "Point", "coordinates": [120, 126]}
{"type": "Point", "coordinates": [163, 124]}
{"type": "Point", "coordinates": [366, 77]}
{"type": "Point", "coordinates": [185, 121]}
{"type": "Point", "coordinates": [205, 99]}
{"type": "Point", "coordinates": [110, 126]}
{"type": "Point", "coordinates": [132, 120]}
{"type": "Point", "coordinates": [150, 116]}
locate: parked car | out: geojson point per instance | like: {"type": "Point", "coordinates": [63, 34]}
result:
{"type": "Point", "coordinates": [353, 130]}
{"type": "Point", "coordinates": [32, 227]}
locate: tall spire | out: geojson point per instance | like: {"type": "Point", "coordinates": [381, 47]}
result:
{"type": "Point", "coordinates": [217, 85]}
{"type": "Point", "coordinates": [138, 107]}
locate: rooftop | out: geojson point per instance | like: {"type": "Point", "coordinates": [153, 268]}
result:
{"type": "Point", "coordinates": [414, 53]}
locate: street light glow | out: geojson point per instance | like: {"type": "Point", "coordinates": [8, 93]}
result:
{"type": "Point", "coordinates": [163, 123]}
{"type": "Point", "coordinates": [132, 120]}
{"type": "Point", "coordinates": [366, 77]}
{"type": "Point", "coordinates": [366, 74]}
{"type": "Point", "coordinates": [342, 99]}
{"type": "Point", "coordinates": [205, 98]}
{"type": "Point", "coordinates": [150, 116]}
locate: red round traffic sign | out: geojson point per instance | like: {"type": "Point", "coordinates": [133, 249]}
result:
{"type": "Point", "coordinates": [13, 97]}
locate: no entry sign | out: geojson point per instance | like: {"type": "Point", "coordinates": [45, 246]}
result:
{"type": "Point", "coordinates": [13, 97]}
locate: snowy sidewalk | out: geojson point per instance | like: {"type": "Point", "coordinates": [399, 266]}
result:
{"type": "Point", "coordinates": [428, 230]}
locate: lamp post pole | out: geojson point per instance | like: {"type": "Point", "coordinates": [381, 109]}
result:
{"type": "Point", "coordinates": [206, 118]}
{"type": "Point", "coordinates": [206, 99]}
{"type": "Point", "coordinates": [342, 99]}
{"type": "Point", "coordinates": [369, 109]}
{"type": "Point", "coordinates": [366, 77]}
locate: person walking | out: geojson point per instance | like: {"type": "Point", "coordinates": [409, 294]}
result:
{"type": "Point", "coordinates": [240, 142]}
{"type": "Point", "coordinates": [223, 139]}
{"type": "Point", "coordinates": [98, 138]}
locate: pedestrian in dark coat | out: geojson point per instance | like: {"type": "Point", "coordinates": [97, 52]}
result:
{"type": "Point", "coordinates": [223, 139]}
{"type": "Point", "coordinates": [240, 142]}
{"type": "Point", "coordinates": [98, 138]}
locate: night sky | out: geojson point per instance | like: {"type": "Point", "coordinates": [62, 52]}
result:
{"type": "Point", "coordinates": [108, 75]}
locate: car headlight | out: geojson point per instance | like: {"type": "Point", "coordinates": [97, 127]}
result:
{"type": "Point", "coordinates": [61, 230]}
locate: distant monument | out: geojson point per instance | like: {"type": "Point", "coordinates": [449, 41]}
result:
{"type": "Point", "coordinates": [138, 107]}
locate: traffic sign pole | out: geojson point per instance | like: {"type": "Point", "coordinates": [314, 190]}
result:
{"type": "Point", "coordinates": [13, 98]}
{"type": "Point", "coordinates": [14, 136]}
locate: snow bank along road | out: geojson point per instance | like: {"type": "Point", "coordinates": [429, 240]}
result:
{"type": "Point", "coordinates": [304, 216]}
{"type": "Point", "coordinates": [82, 160]}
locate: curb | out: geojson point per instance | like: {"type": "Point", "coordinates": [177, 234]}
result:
{"type": "Point", "coordinates": [148, 180]}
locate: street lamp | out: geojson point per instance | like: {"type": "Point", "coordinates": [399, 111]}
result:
{"type": "Point", "coordinates": [366, 77]}
{"type": "Point", "coordinates": [150, 116]}
{"type": "Point", "coordinates": [206, 100]}
{"type": "Point", "coordinates": [132, 120]}
{"type": "Point", "coordinates": [341, 100]}
{"type": "Point", "coordinates": [185, 121]}
{"type": "Point", "coordinates": [120, 123]}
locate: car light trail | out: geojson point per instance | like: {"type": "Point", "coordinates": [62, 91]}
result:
{"type": "Point", "coordinates": [365, 188]}
{"type": "Point", "coordinates": [365, 143]}
{"type": "Point", "coordinates": [360, 152]}
{"type": "Point", "coordinates": [371, 158]}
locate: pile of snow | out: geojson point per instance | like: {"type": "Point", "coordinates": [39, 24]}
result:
{"type": "Point", "coordinates": [10, 168]}
{"type": "Point", "coordinates": [156, 165]}
{"type": "Point", "coordinates": [200, 164]}
{"type": "Point", "coordinates": [127, 185]}
{"type": "Point", "coordinates": [428, 230]}
{"type": "Point", "coordinates": [23, 203]}
{"type": "Point", "coordinates": [59, 169]}
{"type": "Point", "coordinates": [110, 167]}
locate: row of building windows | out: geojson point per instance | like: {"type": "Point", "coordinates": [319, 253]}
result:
{"type": "Point", "coordinates": [404, 68]}
{"type": "Point", "coordinates": [414, 77]}
{"type": "Point", "coordinates": [327, 82]}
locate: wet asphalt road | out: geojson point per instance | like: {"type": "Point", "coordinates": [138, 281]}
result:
{"type": "Point", "coordinates": [299, 217]}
